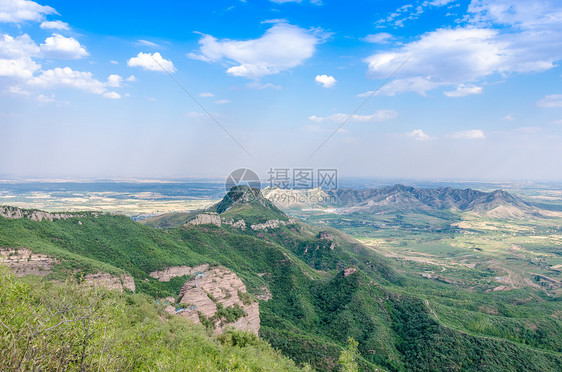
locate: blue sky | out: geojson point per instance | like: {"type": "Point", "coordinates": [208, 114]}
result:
{"type": "Point", "coordinates": [83, 92]}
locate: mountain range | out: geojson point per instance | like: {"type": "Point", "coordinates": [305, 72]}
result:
{"type": "Point", "coordinates": [400, 198]}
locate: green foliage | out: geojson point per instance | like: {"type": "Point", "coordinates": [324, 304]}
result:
{"type": "Point", "coordinates": [348, 357]}
{"type": "Point", "coordinates": [46, 326]}
{"type": "Point", "coordinates": [246, 298]}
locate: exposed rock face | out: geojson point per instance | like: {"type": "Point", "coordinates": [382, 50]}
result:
{"type": "Point", "coordinates": [214, 287]}
{"type": "Point", "coordinates": [347, 272]}
{"type": "Point", "coordinates": [35, 215]}
{"type": "Point", "coordinates": [210, 218]}
{"type": "Point", "coordinates": [271, 224]}
{"type": "Point", "coordinates": [264, 294]}
{"type": "Point", "coordinates": [206, 219]}
{"type": "Point", "coordinates": [241, 224]}
{"type": "Point", "coordinates": [110, 282]}
{"type": "Point", "coordinates": [175, 271]}
{"type": "Point", "coordinates": [24, 262]}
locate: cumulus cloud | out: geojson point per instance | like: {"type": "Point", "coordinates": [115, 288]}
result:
{"type": "Point", "coordinates": [419, 135]}
{"type": "Point", "coordinates": [112, 95]}
{"type": "Point", "coordinates": [206, 94]}
{"type": "Point", "coordinates": [151, 62]}
{"type": "Point", "coordinates": [114, 81]}
{"type": "Point", "coordinates": [66, 77]}
{"type": "Point", "coordinates": [22, 68]}
{"type": "Point", "coordinates": [464, 90]}
{"type": "Point", "coordinates": [380, 115]}
{"type": "Point", "coordinates": [325, 80]}
{"type": "Point", "coordinates": [16, 11]}
{"type": "Point", "coordinates": [131, 79]}
{"type": "Point", "coordinates": [54, 25]}
{"type": "Point", "coordinates": [58, 46]}
{"type": "Point", "coordinates": [553, 100]}
{"type": "Point", "coordinates": [530, 40]}
{"type": "Point", "coordinates": [467, 134]}
{"type": "Point", "coordinates": [282, 47]}
{"type": "Point", "coordinates": [222, 101]}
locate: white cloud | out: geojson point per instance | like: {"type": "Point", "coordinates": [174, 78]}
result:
{"type": "Point", "coordinates": [131, 79]}
{"type": "Point", "coordinates": [464, 90]}
{"type": "Point", "coordinates": [114, 81]}
{"type": "Point", "coordinates": [282, 47]}
{"type": "Point", "coordinates": [380, 38]}
{"type": "Point", "coordinates": [151, 62]}
{"type": "Point", "coordinates": [17, 47]}
{"type": "Point", "coordinates": [501, 37]}
{"type": "Point", "coordinates": [16, 11]}
{"type": "Point", "coordinates": [66, 77]}
{"type": "Point", "coordinates": [15, 56]}
{"type": "Point", "coordinates": [536, 14]}
{"type": "Point", "coordinates": [114, 62]}
{"type": "Point", "coordinates": [222, 101]}
{"type": "Point", "coordinates": [112, 95]}
{"type": "Point", "coordinates": [553, 100]}
{"type": "Point", "coordinates": [22, 68]}
{"type": "Point", "coordinates": [419, 135]}
{"type": "Point", "coordinates": [58, 46]}
{"type": "Point", "coordinates": [206, 94]}
{"type": "Point", "coordinates": [456, 56]}
{"type": "Point", "coordinates": [380, 115]}
{"type": "Point", "coordinates": [467, 134]}
{"type": "Point", "coordinates": [325, 80]}
{"type": "Point", "coordinates": [148, 43]}
{"type": "Point", "coordinates": [54, 25]}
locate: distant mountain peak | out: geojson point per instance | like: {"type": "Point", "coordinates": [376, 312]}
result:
{"type": "Point", "coordinates": [244, 201]}
{"type": "Point", "coordinates": [240, 194]}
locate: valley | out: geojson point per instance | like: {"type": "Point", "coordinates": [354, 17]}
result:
{"type": "Point", "coordinates": [427, 281]}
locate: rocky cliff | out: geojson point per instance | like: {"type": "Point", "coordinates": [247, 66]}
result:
{"type": "Point", "coordinates": [24, 262]}
{"type": "Point", "coordinates": [217, 296]}
{"type": "Point", "coordinates": [35, 215]}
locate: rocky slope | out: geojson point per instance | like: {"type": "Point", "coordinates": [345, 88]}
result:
{"type": "Point", "coordinates": [212, 293]}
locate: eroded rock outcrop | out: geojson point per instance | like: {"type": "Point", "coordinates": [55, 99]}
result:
{"type": "Point", "coordinates": [206, 219]}
{"type": "Point", "coordinates": [35, 215]}
{"type": "Point", "coordinates": [24, 262]}
{"type": "Point", "coordinates": [213, 293]}
{"type": "Point", "coordinates": [271, 224]}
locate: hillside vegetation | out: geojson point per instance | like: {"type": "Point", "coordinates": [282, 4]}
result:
{"type": "Point", "coordinates": [317, 289]}
{"type": "Point", "coordinates": [69, 327]}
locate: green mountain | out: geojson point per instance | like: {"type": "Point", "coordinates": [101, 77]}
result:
{"type": "Point", "coordinates": [316, 287]}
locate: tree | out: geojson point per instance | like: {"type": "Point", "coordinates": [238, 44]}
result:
{"type": "Point", "coordinates": [348, 357]}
